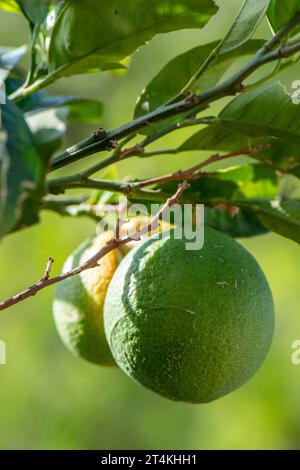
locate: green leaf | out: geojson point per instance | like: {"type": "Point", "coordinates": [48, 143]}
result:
{"type": "Point", "coordinates": [240, 182]}
{"type": "Point", "coordinates": [22, 172]}
{"type": "Point", "coordinates": [252, 188]}
{"type": "Point", "coordinates": [281, 11]}
{"type": "Point", "coordinates": [163, 87]}
{"type": "Point", "coordinates": [48, 130]}
{"type": "Point", "coordinates": [91, 35]}
{"type": "Point", "coordinates": [49, 126]}
{"type": "Point", "coordinates": [265, 115]}
{"type": "Point", "coordinates": [282, 217]}
{"type": "Point", "coordinates": [244, 224]}
{"type": "Point", "coordinates": [48, 119]}
{"type": "Point", "coordinates": [35, 11]}
{"type": "Point", "coordinates": [249, 18]}
{"type": "Point", "coordinates": [73, 109]}
{"type": "Point", "coordinates": [265, 111]}
{"type": "Point", "coordinates": [283, 154]}
{"type": "Point", "coordinates": [251, 181]}
{"type": "Point", "coordinates": [49, 116]}
{"type": "Point", "coordinates": [76, 109]}
{"type": "Point", "coordinates": [216, 136]}
{"type": "Point", "coordinates": [224, 191]}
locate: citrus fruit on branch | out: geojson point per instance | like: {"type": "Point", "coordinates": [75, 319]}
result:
{"type": "Point", "coordinates": [189, 325]}
{"type": "Point", "coordinates": [78, 302]}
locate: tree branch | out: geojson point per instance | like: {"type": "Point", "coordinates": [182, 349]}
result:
{"type": "Point", "coordinates": [111, 245]}
{"type": "Point", "coordinates": [60, 185]}
{"type": "Point", "coordinates": [195, 171]}
{"type": "Point", "coordinates": [79, 208]}
{"type": "Point", "coordinates": [230, 86]}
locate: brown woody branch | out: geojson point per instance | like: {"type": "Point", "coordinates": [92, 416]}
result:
{"type": "Point", "coordinates": [111, 245]}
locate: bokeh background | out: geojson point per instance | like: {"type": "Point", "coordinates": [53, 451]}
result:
{"type": "Point", "coordinates": [51, 400]}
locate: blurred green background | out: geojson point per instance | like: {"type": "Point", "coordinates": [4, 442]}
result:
{"type": "Point", "coordinates": [51, 400]}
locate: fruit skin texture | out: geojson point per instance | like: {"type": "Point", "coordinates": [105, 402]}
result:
{"type": "Point", "coordinates": [78, 302]}
{"type": "Point", "coordinates": [189, 325]}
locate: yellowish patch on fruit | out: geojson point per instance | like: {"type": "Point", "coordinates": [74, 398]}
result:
{"type": "Point", "coordinates": [96, 280]}
{"type": "Point", "coordinates": [136, 224]}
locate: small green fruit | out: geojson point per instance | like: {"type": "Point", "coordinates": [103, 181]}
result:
{"type": "Point", "coordinates": [78, 302]}
{"type": "Point", "coordinates": [189, 325]}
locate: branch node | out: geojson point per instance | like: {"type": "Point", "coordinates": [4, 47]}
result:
{"type": "Point", "coordinates": [47, 273]}
{"type": "Point", "coordinates": [192, 100]}
{"type": "Point", "coordinates": [282, 52]}
{"type": "Point", "coordinates": [112, 145]}
{"type": "Point", "coordinates": [99, 134]}
{"type": "Point", "coordinates": [129, 152]}
{"type": "Point", "coordinates": [127, 188]}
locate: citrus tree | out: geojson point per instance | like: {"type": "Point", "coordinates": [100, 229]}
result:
{"type": "Point", "coordinates": [260, 121]}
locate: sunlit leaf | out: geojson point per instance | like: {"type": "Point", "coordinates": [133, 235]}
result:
{"type": "Point", "coordinates": [92, 35]}
{"type": "Point", "coordinates": [248, 19]}
{"type": "Point", "coordinates": [249, 181]}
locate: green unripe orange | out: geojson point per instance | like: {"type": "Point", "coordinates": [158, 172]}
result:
{"type": "Point", "coordinates": [78, 303]}
{"type": "Point", "coordinates": [189, 325]}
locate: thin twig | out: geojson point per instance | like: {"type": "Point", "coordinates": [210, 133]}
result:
{"type": "Point", "coordinates": [79, 208]}
{"type": "Point", "coordinates": [47, 272]}
{"type": "Point", "coordinates": [93, 262]}
{"type": "Point", "coordinates": [195, 171]}
{"type": "Point", "coordinates": [59, 185]}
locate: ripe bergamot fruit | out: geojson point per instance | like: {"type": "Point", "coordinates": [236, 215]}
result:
{"type": "Point", "coordinates": [189, 325]}
{"type": "Point", "coordinates": [78, 302]}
